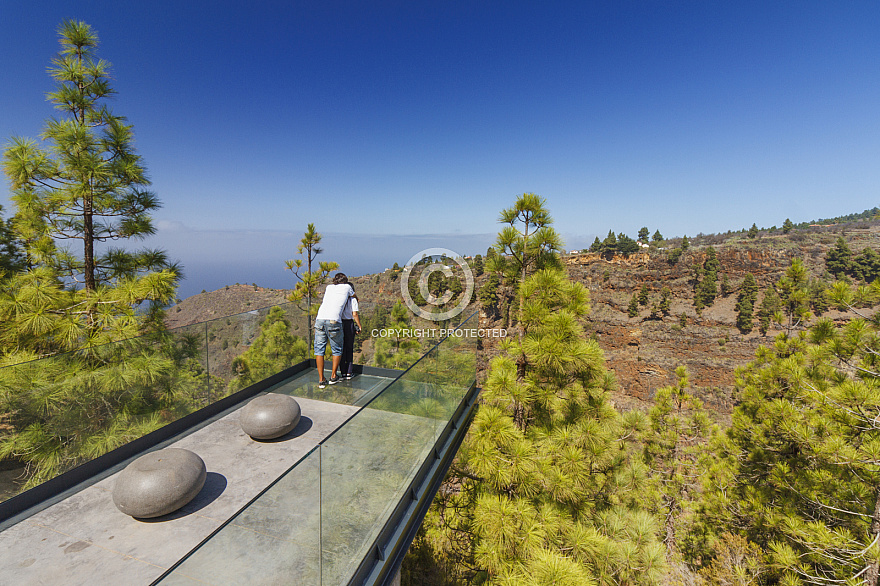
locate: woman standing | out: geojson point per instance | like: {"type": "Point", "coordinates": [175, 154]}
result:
{"type": "Point", "coordinates": [351, 326]}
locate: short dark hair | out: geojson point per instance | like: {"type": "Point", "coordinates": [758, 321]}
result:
{"type": "Point", "coordinates": [340, 279]}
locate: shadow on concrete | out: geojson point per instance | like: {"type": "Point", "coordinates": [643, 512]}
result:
{"type": "Point", "coordinates": [214, 486]}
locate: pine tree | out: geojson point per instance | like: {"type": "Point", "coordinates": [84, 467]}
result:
{"type": "Point", "coordinates": [818, 296]}
{"type": "Point", "coordinates": [769, 310]}
{"type": "Point", "coordinates": [685, 243]}
{"type": "Point", "coordinates": [705, 280]}
{"type": "Point", "coordinates": [643, 235]}
{"type": "Point", "coordinates": [400, 349]}
{"type": "Point", "coordinates": [725, 285]}
{"type": "Point", "coordinates": [12, 258]}
{"type": "Point", "coordinates": [745, 304]}
{"type": "Point", "coordinates": [547, 484]}
{"type": "Point", "coordinates": [866, 265]}
{"type": "Point", "coordinates": [87, 395]}
{"type": "Point", "coordinates": [596, 246]}
{"type": "Point", "coordinates": [699, 306]}
{"type": "Point", "coordinates": [745, 308]}
{"type": "Point", "coordinates": [749, 288]}
{"type": "Point", "coordinates": [643, 295]}
{"type": "Point", "coordinates": [528, 241]}
{"type": "Point", "coordinates": [89, 184]}
{"type": "Point", "coordinates": [838, 261]}
{"type": "Point", "coordinates": [548, 493]}
{"type": "Point", "coordinates": [310, 280]}
{"type": "Point", "coordinates": [372, 319]}
{"type": "Point", "coordinates": [801, 478]}
{"type": "Point", "coordinates": [609, 245]}
{"type": "Point", "coordinates": [478, 265]}
{"type": "Point", "coordinates": [657, 237]}
{"type": "Point", "coordinates": [488, 293]}
{"type": "Point", "coordinates": [66, 409]}
{"type": "Point", "coordinates": [633, 309]}
{"type": "Point", "coordinates": [665, 300]}
{"type": "Point", "coordinates": [753, 231]}
{"type": "Point", "coordinates": [794, 294]}
{"type": "Point", "coordinates": [711, 264]}
{"type": "Point", "coordinates": [708, 289]}
{"type": "Point", "coordinates": [787, 226]}
{"type": "Point", "coordinates": [626, 245]}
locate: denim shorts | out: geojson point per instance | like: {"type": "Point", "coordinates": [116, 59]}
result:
{"type": "Point", "coordinates": [326, 329]}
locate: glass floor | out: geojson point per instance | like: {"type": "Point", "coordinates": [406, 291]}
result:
{"type": "Point", "coordinates": [357, 391]}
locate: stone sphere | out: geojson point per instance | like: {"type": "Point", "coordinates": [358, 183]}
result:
{"type": "Point", "coordinates": [159, 483]}
{"type": "Point", "coordinates": [270, 416]}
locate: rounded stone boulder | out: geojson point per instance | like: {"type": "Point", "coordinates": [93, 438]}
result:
{"type": "Point", "coordinates": [270, 416]}
{"type": "Point", "coordinates": [159, 483]}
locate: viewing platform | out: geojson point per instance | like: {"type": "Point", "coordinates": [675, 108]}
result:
{"type": "Point", "coordinates": [335, 501]}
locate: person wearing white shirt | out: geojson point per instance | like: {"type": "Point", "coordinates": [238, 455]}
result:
{"type": "Point", "coordinates": [328, 326]}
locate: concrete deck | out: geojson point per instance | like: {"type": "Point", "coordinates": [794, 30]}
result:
{"type": "Point", "coordinates": [84, 539]}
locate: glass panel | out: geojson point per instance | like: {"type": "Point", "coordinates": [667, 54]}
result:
{"type": "Point", "coordinates": [274, 540]}
{"type": "Point", "coordinates": [453, 369]}
{"type": "Point", "coordinates": [67, 409]}
{"type": "Point", "coordinates": [188, 384]}
{"type": "Point", "coordinates": [61, 411]}
{"type": "Point", "coordinates": [249, 347]}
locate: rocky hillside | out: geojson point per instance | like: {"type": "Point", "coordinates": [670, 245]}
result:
{"type": "Point", "coordinates": [644, 352]}
{"type": "Point", "coordinates": [229, 300]}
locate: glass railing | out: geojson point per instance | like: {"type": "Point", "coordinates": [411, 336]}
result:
{"type": "Point", "coordinates": [59, 412]}
{"type": "Point", "coordinates": [321, 519]}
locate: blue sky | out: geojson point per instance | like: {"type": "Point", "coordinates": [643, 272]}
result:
{"type": "Point", "coordinates": [397, 125]}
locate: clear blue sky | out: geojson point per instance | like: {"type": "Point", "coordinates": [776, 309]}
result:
{"type": "Point", "coordinates": [383, 122]}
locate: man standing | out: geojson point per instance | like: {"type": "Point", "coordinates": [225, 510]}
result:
{"type": "Point", "coordinates": [328, 326]}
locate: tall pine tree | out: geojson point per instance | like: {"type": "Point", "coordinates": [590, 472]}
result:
{"type": "Point", "coordinates": [88, 183]}
{"type": "Point", "coordinates": [547, 488]}
{"type": "Point", "coordinates": [311, 279]}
